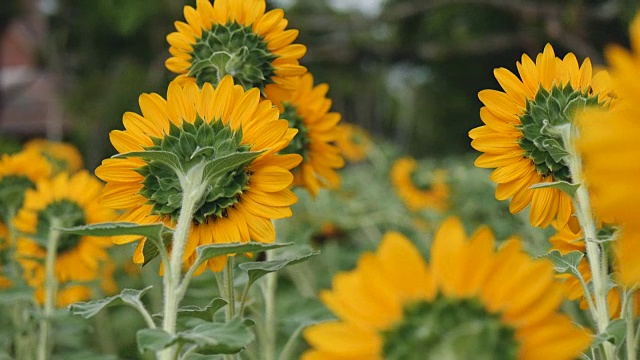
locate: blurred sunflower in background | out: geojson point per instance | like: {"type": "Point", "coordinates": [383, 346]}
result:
{"type": "Point", "coordinates": [471, 302]}
{"type": "Point", "coordinates": [236, 38]}
{"type": "Point", "coordinates": [63, 157]}
{"type": "Point", "coordinates": [197, 126]}
{"type": "Point", "coordinates": [420, 189]}
{"type": "Point", "coordinates": [19, 172]}
{"type": "Point", "coordinates": [610, 152]}
{"type": "Point", "coordinates": [307, 110]}
{"type": "Point", "coordinates": [63, 201]}
{"type": "Point", "coordinates": [353, 141]}
{"type": "Point", "coordinates": [520, 137]}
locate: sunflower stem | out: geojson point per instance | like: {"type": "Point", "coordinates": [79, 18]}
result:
{"type": "Point", "coordinates": [628, 315]}
{"type": "Point", "coordinates": [50, 288]}
{"type": "Point", "coordinates": [270, 328]}
{"type": "Point", "coordinates": [192, 190]}
{"type": "Point", "coordinates": [230, 310]}
{"type": "Point", "coordinates": [595, 254]}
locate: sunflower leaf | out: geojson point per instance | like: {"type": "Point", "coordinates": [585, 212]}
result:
{"type": "Point", "coordinates": [563, 186]}
{"type": "Point", "coordinates": [219, 338]}
{"type": "Point", "coordinates": [151, 231]}
{"type": "Point", "coordinates": [567, 263]}
{"type": "Point", "coordinates": [209, 338]}
{"type": "Point", "coordinates": [153, 340]}
{"type": "Point", "coordinates": [204, 313]}
{"type": "Point", "coordinates": [157, 234]}
{"type": "Point", "coordinates": [216, 168]}
{"type": "Point", "coordinates": [615, 333]}
{"type": "Point", "coordinates": [130, 297]}
{"type": "Point", "coordinates": [166, 157]}
{"type": "Point", "coordinates": [256, 270]}
{"type": "Point", "coordinates": [207, 252]}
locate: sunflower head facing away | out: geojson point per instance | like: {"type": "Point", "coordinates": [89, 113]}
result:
{"type": "Point", "coordinates": [237, 38]}
{"type": "Point", "coordinates": [18, 173]}
{"type": "Point", "coordinates": [307, 110]}
{"type": "Point", "coordinates": [198, 126]}
{"type": "Point", "coordinates": [64, 201]}
{"type": "Point", "coordinates": [419, 189]}
{"type": "Point", "coordinates": [470, 302]}
{"type": "Point", "coordinates": [521, 137]}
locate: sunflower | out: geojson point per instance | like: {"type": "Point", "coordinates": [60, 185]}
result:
{"type": "Point", "coordinates": [61, 156]}
{"type": "Point", "coordinates": [353, 141]}
{"type": "Point", "coordinates": [417, 191]}
{"type": "Point", "coordinates": [566, 240]}
{"type": "Point", "coordinates": [610, 152]}
{"type": "Point", "coordinates": [237, 38]}
{"type": "Point", "coordinates": [66, 295]}
{"type": "Point", "coordinates": [307, 110]}
{"type": "Point", "coordinates": [471, 303]}
{"type": "Point", "coordinates": [19, 172]}
{"type": "Point", "coordinates": [69, 200]}
{"type": "Point", "coordinates": [520, 136]}
{"type": "Point", "coordinates": [198, 126]}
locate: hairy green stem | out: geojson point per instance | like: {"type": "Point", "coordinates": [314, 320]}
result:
{"type": "Point", "coordinates": [230, 311]}
{"type": "Point", "coordinates": [192, 191]}
{"type": "Point", "coordinates": [629, 316]}
{"type": "Point", "coordinates": [270, 326]}
{"type": "Point", "coordinates": [50, 288]}
{"type": "Point", "coordinates": [595, 253]}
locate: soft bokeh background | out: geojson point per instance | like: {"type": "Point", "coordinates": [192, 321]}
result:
{"type": "Point", "coordinates": [406, 70]}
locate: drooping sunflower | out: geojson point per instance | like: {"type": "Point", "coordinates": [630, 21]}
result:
{"type": "Point", "coordinates": [520, 137]}
{"type": "Point", "coordinates": [197, 126]}
{"type": "Point", "coordinates": [353, 141]}
{"type": "Point", "coordinates": [62, 156]}
{"type": "Point", "coordinates": [66, 200]}
{"type": "Point", "coordinates": [471, 302]}
{"type": "Point", "coordinates": [307, 110]}
{"type": "Point", "coordinates": [19, 172]}
{"type": "Point", "coordinates": [419, 190]}
{"type": "Point", "coordinates": [610, 152]}
{"type": "Point", "coordinates": [237, 38]}
{"type": "Point", "coordinates": [566, 240]}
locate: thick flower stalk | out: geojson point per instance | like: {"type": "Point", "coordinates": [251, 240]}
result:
{"type": "Point", "coordinates": [468, 302]}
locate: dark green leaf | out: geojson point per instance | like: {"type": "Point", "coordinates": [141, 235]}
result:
{"type": "Point", "coordinates": [129, 297]}
{"type": "Point", "coordinates": [207, 252]}
{"type": "Point", "coordinates": [560, 185]}
{"type": "Point", "coordinates": [256, 270]}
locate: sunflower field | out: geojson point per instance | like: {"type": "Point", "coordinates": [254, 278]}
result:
{"type": "Point", "coordinates": [330, 180]}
